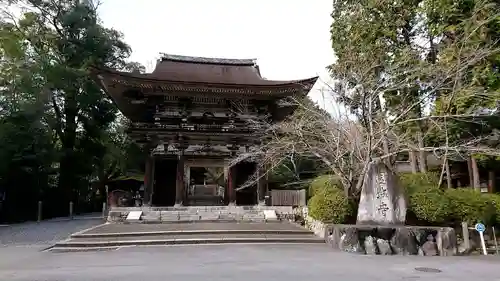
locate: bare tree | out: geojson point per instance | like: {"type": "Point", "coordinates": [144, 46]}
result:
{"type": "Point", "coordinates": [347, 141]}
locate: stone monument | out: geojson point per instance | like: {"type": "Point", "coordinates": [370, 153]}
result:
{"type": "Point", "coordinates": [380, 229]}
{"type": "Point", "coordinates": [382, 200]}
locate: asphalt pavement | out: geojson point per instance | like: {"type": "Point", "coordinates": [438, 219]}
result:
{"type": "Point", "coordinates": [21, 258]}
{"type": "Point", "coordinates": [238, 262]}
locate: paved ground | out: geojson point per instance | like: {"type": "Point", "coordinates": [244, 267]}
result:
{"type": "Point", "coordinates": [21, 259]}
{"type": "Point", "coordinates": [44, 233]}
{"type": "Point", "coordinates": [237, 262]}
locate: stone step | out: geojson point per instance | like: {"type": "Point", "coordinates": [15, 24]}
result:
{"type": "Point", "coordinates": [190, 227]}
{"type": "Point", "coordinates": [176, 233]}
{"type": "Point", "coordinates": [201, 239]}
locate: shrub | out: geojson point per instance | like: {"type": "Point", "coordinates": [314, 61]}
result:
{"type": "Point", "coordinates": [425, 199]}
{"type": "Point", "coordinates": [330, 205]}
{"type": "Point", "coordinates": [323, 182]}
{"type": "Point", "coordinates": [429, 204]}
{"type": "Point", "coordinates": [495, 198]}
{"type": "Point", "coordinates": [471, 206]}
{"type": "Point", "coordinates": [411, 181]}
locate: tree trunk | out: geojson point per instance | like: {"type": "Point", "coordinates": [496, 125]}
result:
{"type": "Point", "coordinates": [68, 182]}
{"type": "Point", "coordinates": [422, 155]}
{"type": "Point", "coordinates": [475, 174]}
{"type": "Point", "coordinates": [413, 162]}
{"type": "Point", "coordinates": [448, 174]}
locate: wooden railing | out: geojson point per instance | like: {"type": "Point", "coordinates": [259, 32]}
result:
{"type": "Point", "coordinates": [288, 197]}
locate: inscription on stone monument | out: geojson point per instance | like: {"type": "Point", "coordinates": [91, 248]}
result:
{"type": "Point", "coordinates": [382, 200]}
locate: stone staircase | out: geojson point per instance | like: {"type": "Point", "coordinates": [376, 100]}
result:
{"type": "Point", "coordinates": [112, 236]}
{"type": "Point", "coordinates": [190, 225]}
{"type": "Point", "coordinates": [202, 214]}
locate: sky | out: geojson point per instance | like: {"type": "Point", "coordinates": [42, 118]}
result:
{"type": "Point", "coordinates": [289, 39]}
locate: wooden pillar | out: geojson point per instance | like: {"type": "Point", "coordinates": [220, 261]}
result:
{"type": "Point", "coordinates": [179, 184]}
{"type": "Point", "coordinates": [491, 181]}
{"type": "Point", "coordinates": [471, 174]}
{"type": "Point", "coordinates": [148, 181]}
{"type": "Point", "coordinates": [231, 181]}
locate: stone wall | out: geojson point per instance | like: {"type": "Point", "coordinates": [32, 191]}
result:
{"type": "Point", "coordinates": [316, 226]}
{"type": "Point", "coordinates": [392, 240]}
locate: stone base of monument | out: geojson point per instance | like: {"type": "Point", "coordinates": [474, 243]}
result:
{"type": "Point", "coordinates": [392, 240]}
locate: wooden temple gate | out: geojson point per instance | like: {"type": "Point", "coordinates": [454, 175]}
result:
{"type": "Point", "coordinates": [192, 116]}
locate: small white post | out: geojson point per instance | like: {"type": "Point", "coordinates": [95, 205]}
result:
{"type": "Point", "coordinates": [483, 244]}
{"type": "Point", "coordinates": [481, 228]}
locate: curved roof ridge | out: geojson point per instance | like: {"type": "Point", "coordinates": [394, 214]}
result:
{"type": "Point", "coordinates": [191, 59]}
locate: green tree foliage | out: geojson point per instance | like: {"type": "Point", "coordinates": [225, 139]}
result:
{"type": "Point", "coordinates": [417, 55]}
{"type": "Point", "coordinates": [53, 113]}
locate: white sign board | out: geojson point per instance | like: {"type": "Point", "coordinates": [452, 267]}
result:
{"type": "Point", "coordinates": [270, 215]}
{"type": "Point", "coordinates": [134, 215]}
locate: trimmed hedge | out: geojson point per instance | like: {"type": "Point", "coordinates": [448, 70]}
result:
{"type": "Point", "coordinates": [430, 204]}
{"type": "Point", "coordinates": [425, 199]}
{"type": "Point", "coordinates": [323, 182]}
{"type": "Point", "coordinates": [495, 198]}
{"type": "Point", "coordinates": [471, 206]}
{"type": "Point", "coordinates": [328, 202]}
{"type": "Point", "coordinates": [433, 205]}
{"type": "Point", "coordinates": [329, 205]}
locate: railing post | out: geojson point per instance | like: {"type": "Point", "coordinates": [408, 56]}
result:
{"type": "Point", "coordinates": [71, 210]}
{"type": "Point", "coordinates": [39, 212]}
{"type": "Point", "coordinates": [495, 240]}
{"type": "Point", "coordinates": [465, 235]}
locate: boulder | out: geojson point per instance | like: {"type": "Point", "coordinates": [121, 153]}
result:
{"type": "Point", "coordinates": [384, 247]}
{"type": "Point", "coordinates": [349, 241]}
{"type": "Point", "coordinates": [446, 241]}
{"type": "Point", "coordinates": [404, 242]}
{"type": "Point", "coordinates": [430, 248]}
{"type": "Point", "coordinates": [370, 246]}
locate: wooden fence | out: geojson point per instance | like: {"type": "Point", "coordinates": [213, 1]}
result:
{"type": "Point", "coordinates": [288, 197]}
